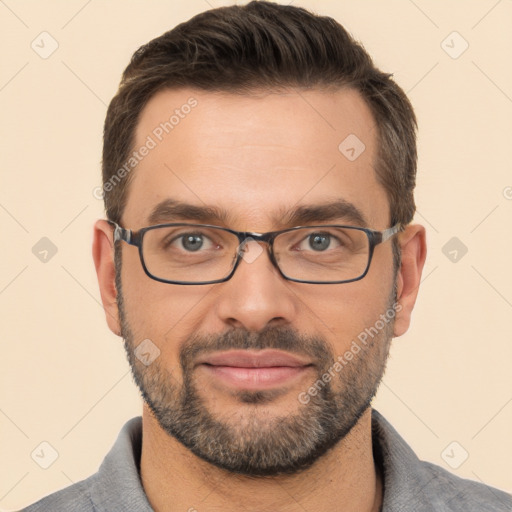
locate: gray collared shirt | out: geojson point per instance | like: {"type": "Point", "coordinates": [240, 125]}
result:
{"type": "Point", "coordinates": [410, 485]}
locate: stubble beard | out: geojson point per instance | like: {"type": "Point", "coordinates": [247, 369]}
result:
{"type": "Point", "coordinates": [254, 440]}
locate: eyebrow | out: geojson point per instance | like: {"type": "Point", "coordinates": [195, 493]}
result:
{"type": "Point", "coordinates": [171, 210]}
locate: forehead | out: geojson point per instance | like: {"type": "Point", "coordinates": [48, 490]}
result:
{"type": "Point", "coordinates": [255, 156]}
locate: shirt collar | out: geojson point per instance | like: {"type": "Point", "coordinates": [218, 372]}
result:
{"type": "Point", "coordinates": [119, 486]}
{"type": "Point", "coordinates": [404, 477]}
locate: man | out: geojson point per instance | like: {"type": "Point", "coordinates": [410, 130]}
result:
{"type": "Point", "coordinates": [257, 260]}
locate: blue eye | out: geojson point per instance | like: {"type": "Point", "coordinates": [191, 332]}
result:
{"type": "Point", "coordinates": [319, 241]}
{"type": "Point", "coordinates": [191, 242]}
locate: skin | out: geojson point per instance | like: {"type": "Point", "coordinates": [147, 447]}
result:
{"type": "Point", "coordinates": [253, 155]}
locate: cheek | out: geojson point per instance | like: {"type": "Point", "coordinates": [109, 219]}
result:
{"type": "Point", "coordinates": [164, 313]}
{"type": "Point", "coordinates": [341, 312]}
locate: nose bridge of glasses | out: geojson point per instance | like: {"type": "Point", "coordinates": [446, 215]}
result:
{"type": "Point", "coordinates": [244, 249]}
{"type": "Point", "coordinates": [249, 236]}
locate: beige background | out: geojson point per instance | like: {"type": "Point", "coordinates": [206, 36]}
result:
{"type": "Point", "coordinates": [64, 378]}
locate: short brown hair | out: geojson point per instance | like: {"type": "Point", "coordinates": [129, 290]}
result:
{"type": "Point", "coordinates": [263, 45]}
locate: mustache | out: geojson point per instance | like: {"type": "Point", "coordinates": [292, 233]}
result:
{"type": "Point", "coordinates": [279, 338]}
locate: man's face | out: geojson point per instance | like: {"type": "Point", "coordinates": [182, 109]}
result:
{"type": "Point", "coordinates": [253, 157]}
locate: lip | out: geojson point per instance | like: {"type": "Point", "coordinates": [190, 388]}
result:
{"type": "Point", "coordinates": [252, 359]}
{"type": "Point", "coordinates": [251, 370]}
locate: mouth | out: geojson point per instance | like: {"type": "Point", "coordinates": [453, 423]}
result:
{"type": "Point", "coordinates": [251, 370]}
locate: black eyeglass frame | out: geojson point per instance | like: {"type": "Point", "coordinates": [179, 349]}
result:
{"type": "Point", "coordinates": [135, 238]}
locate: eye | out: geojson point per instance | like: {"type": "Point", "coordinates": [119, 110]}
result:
{"type": "Point", "coordinates": [319, 242]}
{"type": "Point", "coordinates": [191, 242]}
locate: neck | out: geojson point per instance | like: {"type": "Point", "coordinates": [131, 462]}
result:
{"type": "Point", "coordinates": [344, 479]}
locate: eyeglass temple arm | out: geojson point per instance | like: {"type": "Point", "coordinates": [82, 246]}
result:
{"type": "Point", "coordinates": [388, 233]}
{"type": "Point", "coordinates": [121, 233]}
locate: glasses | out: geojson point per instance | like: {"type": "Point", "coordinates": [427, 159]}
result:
{"type": "Point", "coordinates": [182, 253]}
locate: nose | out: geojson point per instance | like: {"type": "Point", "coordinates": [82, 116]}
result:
{"type": "Point", "coordinates": [256, 295]}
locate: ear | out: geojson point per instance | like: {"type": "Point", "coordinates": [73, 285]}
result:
{"type": "Point", "coordinates": [414, 251]}
{"type": "Point", "coordinates": [103, 255]}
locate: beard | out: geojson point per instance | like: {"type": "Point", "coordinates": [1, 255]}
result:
{"type": "Point", "coordinates": [254, 441]}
